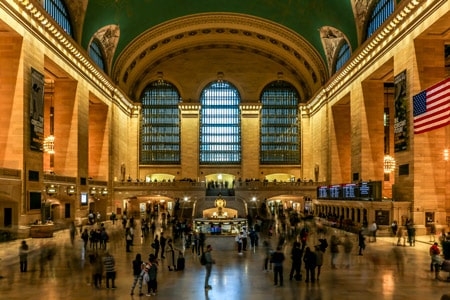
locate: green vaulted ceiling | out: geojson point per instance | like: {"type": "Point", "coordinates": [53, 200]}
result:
{"type": "Point", "coordinates": [305, 17]}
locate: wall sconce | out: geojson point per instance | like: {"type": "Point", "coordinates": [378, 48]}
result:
{"type": "Point", "coordinates": [446, 154]}
{"type": "Point", "coordinates": [51, 190]}
{"type": "Point", "coordinates": [105, 192]}
{"type": "Point", "coordinates": [71, 190]}
{"type": "Point", "coordinates": [389, 164]}
{"type": "Point", "coordinates": [93, 191]}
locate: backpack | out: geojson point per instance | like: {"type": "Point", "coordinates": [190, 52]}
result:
{"type": "Point", "coordinates": [203, 259]}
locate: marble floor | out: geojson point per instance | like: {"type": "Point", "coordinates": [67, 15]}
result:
{"type": "Point", "coordinates": [385, 271]}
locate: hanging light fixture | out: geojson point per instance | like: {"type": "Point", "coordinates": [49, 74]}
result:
{"type": "Point", "coordinates": [389, 164]}
{"type": "Point", "coordinates": [49, 141]}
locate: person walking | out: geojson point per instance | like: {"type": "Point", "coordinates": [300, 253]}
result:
{"type": "Point", "coordinates": [436, 260]}
{"type": "Point", "coordinates": [348, 246]}
{"type": "Point", "coordinates": [96, 268]}
{"type": "Point", "coordinates": [277, 261]}
{"type": "Point", "coordinates": [238, 240]}
{"type": "Point", "coordinates": [195, 243]}
{"type": "Point", "coordinates": [373, 232]}
{"type": "Point", "coordinates": [244, 239]}
{"type": "Point", "coordinates": [23, 256]}
{"type": "Point", "coordinates": [162, 243]}
{"type": "Point", "coordinates": [72, 231]}
{"type": "Point", "coordinates": [334, 250]}
{"type": "Point", "coordinates": [296, 256]}
{"type": "Point", "coordinates": [361, 242]}
{"type": "Point", "coordinates": [267, 259]}
{"type": "Point", "coordinates": [400, 237]}
{"type": "Point", "coordinates": [208, 265]}
{"type": "Point", "coordinates": [201, 242]}
{"type": "Point", "coordinates": [110, 269]}
{"type": "Point", "coordinates": [310, 264]}
{"type": "Point", "coordinates": [319, 259]}
{"type": "Point", "coordinates": [85, 238]}
{"type": "Point", "coordinates": [171, 250]}
{"type": "Point", "coordinates": [394, 228]}
{"type": "Point", "coordinates": [128, 239]}
{"type": "Point", "coordinates": [156, 245]}
{"type": "Point", "coordinates": [138, 266]}
{"type": "Point", "coordinates": [152, 271]}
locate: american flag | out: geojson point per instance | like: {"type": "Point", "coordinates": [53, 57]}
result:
{"type": "Point", "coordinates": [432, 107]}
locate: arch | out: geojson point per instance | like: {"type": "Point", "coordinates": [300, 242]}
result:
{"type": "Point", "coordinates": [234, 32]}
{"type": "Point", "coordinates": [96, 53]}
{"type": "Point", "coordinates": [108, 37]}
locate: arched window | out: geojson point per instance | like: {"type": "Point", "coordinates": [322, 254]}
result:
{"type": "Point", "coordinates": [160, 124]}
{"type": "Point", "coordinates": [96, 53]}
{"type": "Point", "coordinates": [220, 126]}
{"type": "Point", "coordinates": [382, 10]}
{"type": "Point", "coordinates": [59, 13]}
{"type": "Point", "coordinates": [343, 56]}
{"type": "Point", "coordinates": [279, 124]}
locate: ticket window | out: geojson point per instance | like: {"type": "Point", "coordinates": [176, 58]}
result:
{"type": "Point", "coordinates": [429, 218]}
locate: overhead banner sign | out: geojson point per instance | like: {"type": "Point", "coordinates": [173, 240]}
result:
{"type": "Point", "coordinates": [36, 111]}
{"type": "Point", "coordinates": [401, 132]}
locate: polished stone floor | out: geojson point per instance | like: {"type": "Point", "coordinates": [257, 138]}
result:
{"type": "Point", "coordinates": [385, 271]}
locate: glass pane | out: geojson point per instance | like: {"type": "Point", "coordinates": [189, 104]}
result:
{"type": "Point", "coordinates": [220, 128]}
{"type": "Point", "coordinates": [381, 12]}
{"type": "Point", "coordinates": [279, 124]}
{"type": "Point", "coordinates": [160, 124]}
{"type": "Point", "coordinates": [58, 11]}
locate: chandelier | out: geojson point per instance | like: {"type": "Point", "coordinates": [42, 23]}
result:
{"type": "Point", "coordinates": [49, 144]}
{"type": "Point", "coordinates": [389, 164]}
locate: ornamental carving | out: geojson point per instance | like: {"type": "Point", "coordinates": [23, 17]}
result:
{"type": "Point", "coordinates": [108, 36]}
{"type": "Point", "coordinates": [331, 40]}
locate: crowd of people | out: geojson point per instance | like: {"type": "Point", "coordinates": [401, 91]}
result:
{"type": "Point", "coordinates": [305, 246]}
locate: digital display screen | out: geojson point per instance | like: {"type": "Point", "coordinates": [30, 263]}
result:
{"type": "Point", "coordinates": [365, 190]}
{"type": "Point", "coordinates": [322, 192]}
{"type": "Point", "coordinates": [370, 190]}
{"type": "Point", "coordinates": [84, 198]}
{"type": "Point", "coordinates": [335, 191]}
{"type": "Point", "coordinates": [349, 191]}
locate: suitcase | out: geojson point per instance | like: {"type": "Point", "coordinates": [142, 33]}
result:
{"type": "Point", "coordinates": [180, 263]}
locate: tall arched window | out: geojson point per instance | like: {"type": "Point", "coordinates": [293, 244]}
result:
{"type": "Point", "coordinates": [160, 124]}
{"type": "Point", "coordinates": [279, 124]}
{"type": "Point", "coordinates": [220, 126]}
{"type": "Point", "coordinates": [57, 9]}
{"type": "Point", "coordinates": [382, 10]}
{"type": "Point", "coordinates": [96, 53]}
{"type": "Point", "coordinates": [343, 56]}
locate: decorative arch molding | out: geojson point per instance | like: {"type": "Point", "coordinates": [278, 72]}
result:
{"type": "Point", "coordinates": [246, 33]}
{"type": "Point", "coordinates": [331, 38]}
{"type": "Point", "coordinates": [77, 12]}
{"type": "Point", "coordinates": [108, 36]}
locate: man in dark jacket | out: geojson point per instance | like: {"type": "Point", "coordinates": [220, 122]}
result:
{"type": "Point", "coordinates": [277, 261]}
{"type": "Point", "coordinates": [296, 256]}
